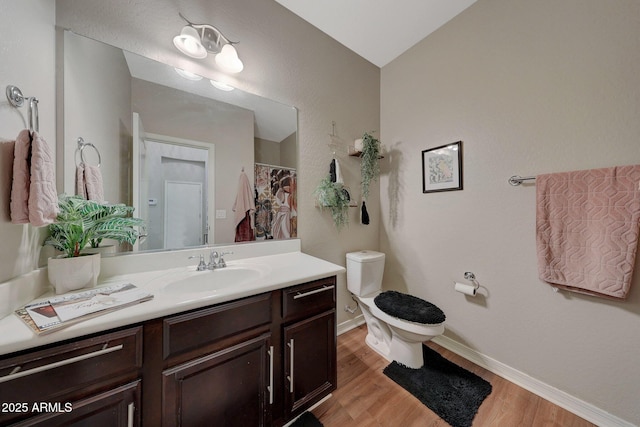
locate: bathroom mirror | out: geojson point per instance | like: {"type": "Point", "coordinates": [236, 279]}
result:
{"type": "Point", "coordinates": [170, 143]}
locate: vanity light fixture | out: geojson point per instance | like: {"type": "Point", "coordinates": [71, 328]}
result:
{"type": "Point", "coordinates": [198, 40]}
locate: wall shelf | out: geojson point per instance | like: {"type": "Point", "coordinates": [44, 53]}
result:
{"type": "Point", "coordinates": [354, 153]}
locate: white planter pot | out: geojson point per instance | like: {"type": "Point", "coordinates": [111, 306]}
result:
{"type": "Point", "coordinates": [104, 250]}
{"type": "Point", "coordinates": [69, 274]}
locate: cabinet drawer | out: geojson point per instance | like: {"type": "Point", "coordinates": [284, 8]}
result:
{"type": "Point", "coordinates": [71, 370]}
{"type": "Point", "coordinates": [199, 328]}
{"type": "Point", "coordinates": [114, 407]}
{"type": "Point", "coordinates": [309, 298]}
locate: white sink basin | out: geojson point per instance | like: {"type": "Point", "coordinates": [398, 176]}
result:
{"type": "Point", "coordinates": [211, 280]}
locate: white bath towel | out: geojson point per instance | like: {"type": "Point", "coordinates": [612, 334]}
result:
{"type": "Point", "coordinates": [339, 173]}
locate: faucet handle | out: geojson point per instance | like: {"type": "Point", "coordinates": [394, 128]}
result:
{"type": "Point", "coordinates": [201, 265]}
{"type": "Point", "coordinates": [221, 262]}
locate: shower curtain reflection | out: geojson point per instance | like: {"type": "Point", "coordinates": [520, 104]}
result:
{"type": "Point", "coordinates": [276, 202]}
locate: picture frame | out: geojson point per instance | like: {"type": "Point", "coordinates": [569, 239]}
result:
{"type": "Point", "coordinates": [442, 168]}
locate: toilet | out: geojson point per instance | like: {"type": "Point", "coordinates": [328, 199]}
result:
{"type": "Point", "coordinates": [397, 323]}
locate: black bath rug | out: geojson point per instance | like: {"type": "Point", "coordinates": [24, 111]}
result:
{"type": "Point", "coordinates": [450, 391]}
{"type": "Point", "coordinates": [307, 419]}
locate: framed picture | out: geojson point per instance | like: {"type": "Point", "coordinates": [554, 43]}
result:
{"type": "Point", "coordinates": [442, 168]}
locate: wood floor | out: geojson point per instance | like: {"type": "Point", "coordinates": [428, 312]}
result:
{"type": "Point", "coordinates": [366, 397]}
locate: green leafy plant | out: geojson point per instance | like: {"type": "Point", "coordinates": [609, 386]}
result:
{"type": "Point", "coordinates": [334, 197]}
{"type": "Point", "coordinates": [82, 222]}
{"type": "Point", "coordinates": [369, 161]}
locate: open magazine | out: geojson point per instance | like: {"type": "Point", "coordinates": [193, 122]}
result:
{"type": "Point", "coordinates": [65, 310]}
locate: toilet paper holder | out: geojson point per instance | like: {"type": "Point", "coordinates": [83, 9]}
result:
{"type": "Point", "coordinates": [472, 278]}
{"type": "Point", "coordinates": [465, 288]}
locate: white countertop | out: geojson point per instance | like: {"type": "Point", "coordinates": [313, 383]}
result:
{"type": "Point", "coordinates": [275, 272]}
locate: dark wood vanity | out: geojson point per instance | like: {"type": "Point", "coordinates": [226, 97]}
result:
{"type": "Point", "coordinates": [256, 361]}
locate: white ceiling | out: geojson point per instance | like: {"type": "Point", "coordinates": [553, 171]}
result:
{"type": "Point", "coordinates": [377, 30]}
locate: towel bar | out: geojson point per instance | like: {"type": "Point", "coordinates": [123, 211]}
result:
{"type": "Point", "coordinates": [517, 179]}
{"type": "Point", "coordinates": [82, 145]}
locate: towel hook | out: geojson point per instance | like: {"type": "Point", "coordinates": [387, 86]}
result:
{"type": "Point", "coordinates": [16, 99]}
{"type": "Point", "coordinates": [82, 145]}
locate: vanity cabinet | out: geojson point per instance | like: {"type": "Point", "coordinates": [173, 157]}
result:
{"type": "Point", "coordinates": [309, 339]}
{"type": "Point", "coordinates": [255, 361]}
{"type": "Point", "coordinates": [217, 366]}
{"type": "Point", "coordinates": [91, 381]}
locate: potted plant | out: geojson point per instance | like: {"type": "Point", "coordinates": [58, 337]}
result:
{"type": "Point", "coordinates": [79, 223]}
{"type": "Point", "coordinates": [333, 196]}
{"type": "Point", "coordinates": [369, 162]}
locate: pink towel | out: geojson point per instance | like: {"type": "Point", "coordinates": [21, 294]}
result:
{"type": "Point", "coordinates": [81, 188]}
{"type": "Point", "coordinates": [89, 182]}
{"type": "Point", "coordinates": [93, 181]}
{"type": "Point", "coordinates": [21, 178]}
{"type": "Point", "coordinates": [587, 226]}
{"type": "Point", "coordinates": [244, 201]}
{"type": "Point", "coordinates": [43, 198]}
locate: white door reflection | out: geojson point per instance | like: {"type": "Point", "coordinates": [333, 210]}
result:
{"type": "Point", "coordinates": [168, 169]}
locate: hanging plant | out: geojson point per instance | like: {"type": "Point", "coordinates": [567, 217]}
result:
{"type": "Point", "coordinates": [369, 161]}
{"type": "Point", "coordinates": [334, 197]}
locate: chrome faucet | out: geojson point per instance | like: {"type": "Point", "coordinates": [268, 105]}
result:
{"type": "Point", "coordinates": [216, 259]}
{"type": "Point", "coordinates": [213, 260]}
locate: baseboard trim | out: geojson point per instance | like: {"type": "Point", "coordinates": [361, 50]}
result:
{"type": "Point", "coordinates": [571, 403]}
{"type": "Point", "coordinates": [350, 324]}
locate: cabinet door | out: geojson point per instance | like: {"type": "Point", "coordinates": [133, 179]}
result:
{"type": "Point", "coordinates": [231, 387]}
{"type": "Point", "coordinates": [310, 361]}
{"type": "Point", "coordinates": [118, 407]}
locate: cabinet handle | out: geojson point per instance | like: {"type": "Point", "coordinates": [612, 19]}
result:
{"type": "Point", "coordinates": [315, 291]}
{"type": "Point", "coordinates": [290, 376]}
{"type": "Point", "coordinates": [131, 409]}
{"type": "Point", "coordinates": [64, 362]}
{"type": "Point", "coordinates": [270, 387]}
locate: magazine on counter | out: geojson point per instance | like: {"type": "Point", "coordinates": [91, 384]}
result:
{"type": "Point", "coordinates": [65, 310]}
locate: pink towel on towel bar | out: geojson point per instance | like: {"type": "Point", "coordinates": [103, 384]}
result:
{"type": "Point", "coordinates": [33, 189]}
{"type": "Point", "coordinates": [43, 198]}
{"type": "Point", "coordinates": [21, 178]}
{"type": "Point", "coordinates": [587, 226]}
{"type": "Point", "coordinates": [89, 182]}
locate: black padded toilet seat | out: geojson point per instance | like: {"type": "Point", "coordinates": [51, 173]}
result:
{"type": "Point", "coordinates": [408, 307]}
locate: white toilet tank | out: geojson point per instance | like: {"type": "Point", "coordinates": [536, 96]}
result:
{"type": "Point", "coordinates": [364, 272]}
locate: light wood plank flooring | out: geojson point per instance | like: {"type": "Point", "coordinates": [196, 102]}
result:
{"type": "Point", "coordinates": [366, 397]}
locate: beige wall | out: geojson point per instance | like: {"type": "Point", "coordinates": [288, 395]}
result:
{"type": "Point", "coordinates": [27, 52]}
{"type": "Point", "coordinates": [530, 87]}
